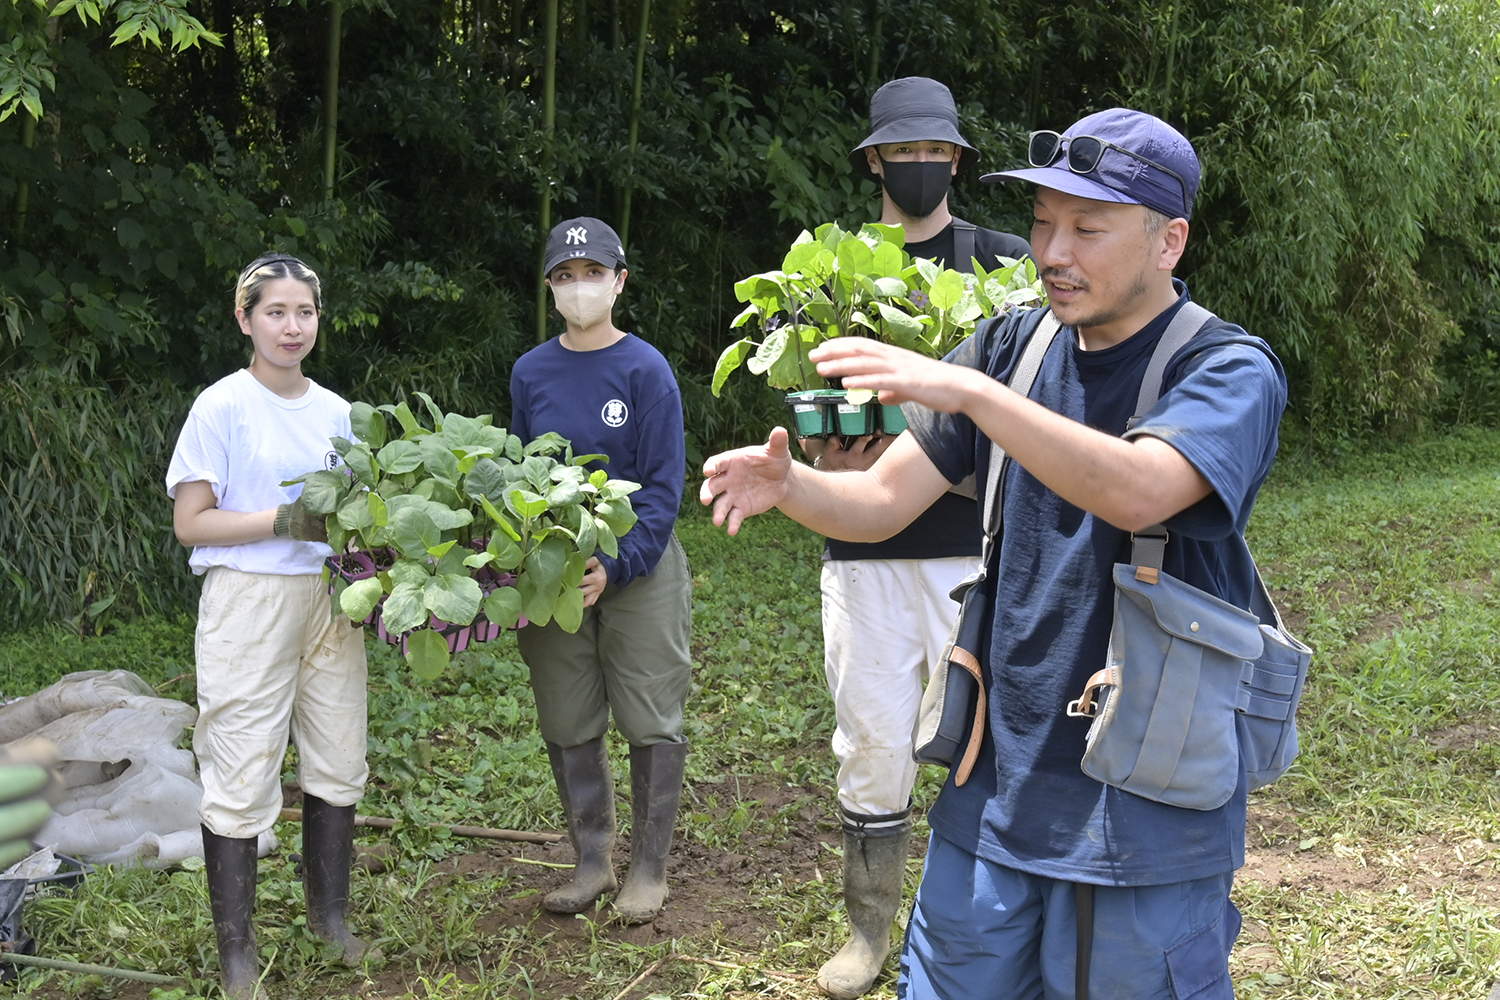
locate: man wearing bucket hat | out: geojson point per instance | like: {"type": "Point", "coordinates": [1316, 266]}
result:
{"type": "Point", "coordinates": [886, 609]}
{"type": "Point", "coordinates": [1032, 864]}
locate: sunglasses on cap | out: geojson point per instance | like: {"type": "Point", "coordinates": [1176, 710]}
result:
{"type": "Point", "coordinates": [1084, 153]}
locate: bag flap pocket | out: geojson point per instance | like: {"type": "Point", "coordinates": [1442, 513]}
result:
{"type": "Point", "coordinates": [1188, 613]}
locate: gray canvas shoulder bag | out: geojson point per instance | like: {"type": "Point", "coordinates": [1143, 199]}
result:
{"type": "Point", "coordinates": [1192, 686]}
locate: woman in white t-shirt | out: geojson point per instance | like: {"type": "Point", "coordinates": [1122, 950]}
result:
{"type": "Point", "coordinates": [272, 661]}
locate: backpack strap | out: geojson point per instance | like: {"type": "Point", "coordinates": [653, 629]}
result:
{"type": "Point", "coordinates": [963, 246]}
{"type": "Point", "coordinates": [1149, 545]}
{"type": "Point", "coordinates": [1021, 380]}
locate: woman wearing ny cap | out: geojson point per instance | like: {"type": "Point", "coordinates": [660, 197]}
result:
{"type": "Point", "coordinates": [611, 393]}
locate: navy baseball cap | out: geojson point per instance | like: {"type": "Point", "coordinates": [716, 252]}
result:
{"type": "Point", "coordinates": [912, 109]}
{"type": "Point", "coordinates": [584, 237]}
{"type": "Point", "coordinates": [1131, 158]}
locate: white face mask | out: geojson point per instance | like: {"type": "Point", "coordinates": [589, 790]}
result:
{"type": "Point", "coordinates": [585, 303]}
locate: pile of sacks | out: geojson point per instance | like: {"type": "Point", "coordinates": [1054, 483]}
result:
{"type": "Point", "coordinates": [130, 793]}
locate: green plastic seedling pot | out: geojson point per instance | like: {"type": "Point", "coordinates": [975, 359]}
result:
{"type": "Point", "coordinates": [809, 414]}
{"type": "Point", "coordinates": [856, 421]}
{"type": "Point", "coordinates": [892, 420]}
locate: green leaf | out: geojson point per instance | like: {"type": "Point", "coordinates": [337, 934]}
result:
{"type": "Point", "coordinates": [901, 328]}
{"type": "Point", "coordinates": [355, 514]}
{"type": "Point", "coordinates": [506, 551]}
{"type": "Point", "coordinates": [526, 504]}
{"type": "Point", "coordinates": [479, 559]}
{"type": "Point", "coordinates": [605, 538]}
{"type": "Point", "coordinates": [359, 598]}
{"type": "Point", "coordinates": [859, 397]}
{"type": "Point", "coordinates": [617, 514]}
{"type": "Point", "coordinates": [404, 609]}
{"type": "Point", "coordinates": [588, 534]}
{"type": "Point", "coordinates": [432, 410]}
{"type": "Point", "coordinates": [564, 495]}
{"type": "Point", "coordinates": [503, 606]}
{"type": "Point", "coordinates": [413, 531]}
{"type": "Point", "coordinates": [486, 479]}
{"type": "Point", "coordinates": [891, 288]}
{"type": "Point", "coordinates": [453, 597]}
{"type": "Point", "coordinates": [568, 611]}
{"type": "Point", "coordinates": [734, 355]}
{"type": "Point", "coordinates": [438, 460]}
{"type": "Point", "coordinates": [361, 459]}
{"type": "Point", "coordinates": [323, 490]}
{"type": "Point", "coordinates": [540, 578]}
{"type": "Point", "coordinates": [399, 457]}
{"type": "Point", "coordinates": [769, 351]}
{"type": "Point", "coordinates": [368, 424]}
{"type": "Point", "coordinates": [946, 289]}
{"type": "Point", "coordinates": [415, 572]}
{"type": "Point", "coordinates": [427, 653]}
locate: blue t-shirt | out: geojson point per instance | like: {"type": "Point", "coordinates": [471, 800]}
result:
{"type": "Point", "coordinates": [1027, 804]}
{"type": "Point", "coordinates": [621, 401]}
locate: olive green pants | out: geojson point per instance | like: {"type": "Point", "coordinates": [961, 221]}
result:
{"type": "Point", "coordinates": [630, 657]}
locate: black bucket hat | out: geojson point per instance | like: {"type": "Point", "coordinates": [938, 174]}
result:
{"type": "Point", "coordinates": [585, 237]}
{"type": "Point", "coordinates": [912, 109]}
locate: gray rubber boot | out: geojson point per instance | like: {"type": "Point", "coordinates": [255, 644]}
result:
{"type": "Point", "coordinates": [327, 856]}
{"type": "Point", "coordinates": [655, 792]}
{"type": "Point", "coordinates": [588, 799]}
{"type": "Point", "coordinates": [874, 869]}
{"type": "Point", "coordinates": [230, 863]}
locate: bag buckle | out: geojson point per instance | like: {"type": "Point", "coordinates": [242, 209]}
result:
{"type": "Point", "coordinates": [1086, 705]}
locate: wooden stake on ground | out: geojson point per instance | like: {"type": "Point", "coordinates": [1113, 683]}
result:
{"type": "Point", "coordinates": [478, 832]}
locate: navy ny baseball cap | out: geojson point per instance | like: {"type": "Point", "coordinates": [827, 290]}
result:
{"type": "Point", "coordinates": [912, 109]}
{"type": "Point", "coordinates": [583, 237]}
{"type": "Point", "coordinates": [1118, 155]}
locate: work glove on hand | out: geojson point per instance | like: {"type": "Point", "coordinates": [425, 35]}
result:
{"type": "Point", "coordinates": [25, 783]}
{"type": "Point", "coordinates": [293, 521]}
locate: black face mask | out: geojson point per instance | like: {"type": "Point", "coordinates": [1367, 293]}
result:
{"type": "Point", "coordinates": [917, 186]}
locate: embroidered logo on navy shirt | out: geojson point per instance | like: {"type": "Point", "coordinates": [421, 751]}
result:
{"type": "Point", "coordinates": [615, 413]}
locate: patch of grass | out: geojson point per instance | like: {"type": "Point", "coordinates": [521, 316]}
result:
{"type": "Point", "coordinates": [1385, 563]}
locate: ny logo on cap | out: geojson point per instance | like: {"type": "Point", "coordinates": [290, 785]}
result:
{"type": "Point", "coordinates": [577, 235]}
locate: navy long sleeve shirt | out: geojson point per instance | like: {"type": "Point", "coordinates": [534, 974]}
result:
{"type": "Point", "coordinates": [623, 402]}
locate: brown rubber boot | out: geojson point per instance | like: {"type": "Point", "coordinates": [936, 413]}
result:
{"type": "Point", "coordinates": [327, 856]}
{"type": "Point", "coordinates": [588, 798]}
{"type": "Point", "coordinates": [655, 792]}
{"type": "Point", "coordinates": [874, 870]}
{"type": "Point", "coordinates": [230, 863]}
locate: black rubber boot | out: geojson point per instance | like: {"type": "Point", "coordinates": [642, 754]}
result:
{"type": "Point", "coordinates": [327, 857]}
{"type": "Point", "coordinates": [655, 791]}
{"type": "Point", "coordinates": [874, 870]}
{"type": "Point", "coordinates": [230, 862]}
{"type": "Point", "coordinates": [588, 799]}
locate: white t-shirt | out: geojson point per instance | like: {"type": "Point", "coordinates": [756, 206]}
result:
{"type": "Point", "coordinates": [245, 441]}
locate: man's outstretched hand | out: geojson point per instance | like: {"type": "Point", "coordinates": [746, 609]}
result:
{"type": "Point", "coordinates": [747, 481]}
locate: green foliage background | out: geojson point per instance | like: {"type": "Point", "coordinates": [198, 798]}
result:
{"type": "Point", "coordinates": [1348, 212]}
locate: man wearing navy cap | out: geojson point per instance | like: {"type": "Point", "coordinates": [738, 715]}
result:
{"type": "Point", "coordinates": [1028, 837]}
{"type": "Point", "coordinates": [886, 609]}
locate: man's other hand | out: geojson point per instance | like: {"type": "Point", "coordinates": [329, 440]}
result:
{"type": "Point", "coordinates": [898, 375]}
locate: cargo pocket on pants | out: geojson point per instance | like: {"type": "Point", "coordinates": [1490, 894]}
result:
{"type": "Point", "coordinates": [1198, 966]}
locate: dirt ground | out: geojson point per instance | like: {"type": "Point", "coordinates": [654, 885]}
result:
{"type": "Point", "coordinates": [713, 891]}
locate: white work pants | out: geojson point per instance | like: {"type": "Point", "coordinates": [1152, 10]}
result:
{"type": "Point", "coordinates": [271, 664]}
{"type": "Point", "coordinates": [885, 623]}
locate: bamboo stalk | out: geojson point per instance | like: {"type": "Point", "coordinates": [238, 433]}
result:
{"type": "Point", "coordinates": [81, 968]}
{"type": "Point", "coordinates": [635, 123]}
{"type": "Point", "coordinates": [477, 832]}
{"type": "Point", "coordinates": [549, 111]}
{"type": "Point", "coordinates": [331, 96]}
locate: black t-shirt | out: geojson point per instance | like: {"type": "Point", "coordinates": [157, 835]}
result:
{"type": "Point", "coordinates": [950, 527]}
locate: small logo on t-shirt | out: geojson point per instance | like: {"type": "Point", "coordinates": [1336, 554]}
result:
{"type": "Point", "coordinates": [615, 413]}
{"type": "Point", "coordinates": [331, 460]}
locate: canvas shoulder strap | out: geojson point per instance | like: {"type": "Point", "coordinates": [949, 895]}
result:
{"type": "Point", "coordinates": [1149, 545]}
{"type": "Point", "coordinates": [963, 246]}
{"type": "Point", "coordinates": [1021, 380]}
